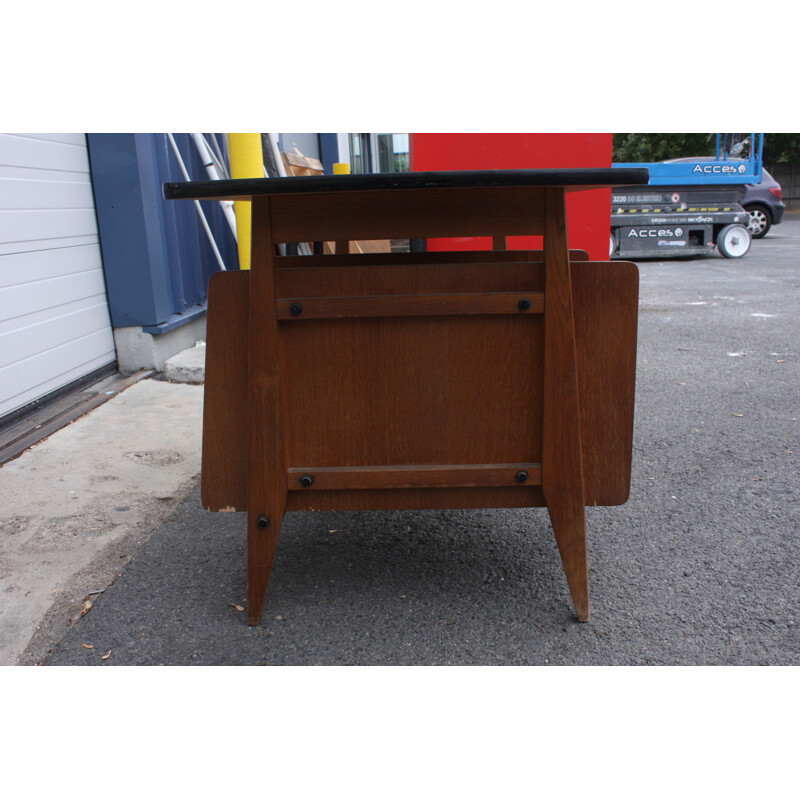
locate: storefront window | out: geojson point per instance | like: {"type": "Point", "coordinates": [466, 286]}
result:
{"type": "Point", "coordinates": [378, 152]}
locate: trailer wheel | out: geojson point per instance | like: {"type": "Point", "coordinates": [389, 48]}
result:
{"type": "Point", "coordinates": [733, 241]}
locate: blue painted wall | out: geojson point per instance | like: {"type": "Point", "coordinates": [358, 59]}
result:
{"type": "Point", "coordinates": [156, 255]}
{"type": "Point", "coordinates": [329, 151]}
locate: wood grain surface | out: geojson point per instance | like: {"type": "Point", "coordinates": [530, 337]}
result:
{"type": "Point", "coordinates": [412, 213]}
{"type": "Point", "coordinates": [300, 309]}
{"type": "Point", "coordinates": [562, 462]}
{"type": "Point", "coordinates": [266, 488]}
{"type": "Point", "coordinates": [605, 299]}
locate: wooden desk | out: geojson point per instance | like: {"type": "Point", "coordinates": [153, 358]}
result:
{"type": "Point", "coordinates": [426, 380]}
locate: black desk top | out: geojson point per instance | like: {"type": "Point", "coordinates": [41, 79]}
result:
{"type": "Point", "coordinates": [246, 188]}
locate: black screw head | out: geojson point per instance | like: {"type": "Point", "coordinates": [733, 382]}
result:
{"type": "Point", "coordinates": [295, 309]}
{"type": "Point", "coordinates": [524, 304]}
{"type": "Point", "coordinates": [307, 480]}
{"type": "Point", "coordinates": [263, 521]}
{"type": "Point", "coordinates": [522, 476]}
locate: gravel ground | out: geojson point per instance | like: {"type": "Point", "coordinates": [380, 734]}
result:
{"type": "Point", "coordinates": [700, 567]}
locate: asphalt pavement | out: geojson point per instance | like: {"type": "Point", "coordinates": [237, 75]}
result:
{"type": "Point", "coordinates": [700, 567]}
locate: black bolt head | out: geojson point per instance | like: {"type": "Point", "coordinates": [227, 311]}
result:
{"type": "Point", "coordinates": [295, 309]}
{"type": "Point", "coordinates": [522, 476]}
{"type": "Point", "coordinates": [524, 304]}
{"type": "Point", "coordinates": [307, 480]}
{"type": "Point", "coordinates": [263, 521]}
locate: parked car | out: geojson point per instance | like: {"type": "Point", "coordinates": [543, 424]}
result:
{"type": "Point", "coordinates": [763, 201]}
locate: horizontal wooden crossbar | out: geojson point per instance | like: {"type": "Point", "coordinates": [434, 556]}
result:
{"type": "Point", "coordinates": [417, 476]}
{"type": "Point", "coordinates": [410, 305]}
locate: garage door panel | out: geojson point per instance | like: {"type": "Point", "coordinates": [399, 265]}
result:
{"type": "Point", "coordinates": [43, 246]}
{"type": "Point", "coordinates": [62, 324]}
{"type": "Point", "coordinates": [54, 320]}
{"type": "Point", "coordinates": [19, 193]}
{"type": "Point", "coordinates": [84, 295]}
{"type": "Point", "coordinates": [9, 172]}
{"type": "Point", "coordinates": [17, 269]}
{"type": "Point", "coordinates": [78, 139]}
{"type": "Point", "coordinates": [20, 150]}
{"type": "Point", "coordinates": [61, 366]}
{"type": "Point", "coordinates": [38, 225]}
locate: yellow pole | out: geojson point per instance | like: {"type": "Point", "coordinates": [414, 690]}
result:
{"type": "Point", "coordinates": [247, 161]}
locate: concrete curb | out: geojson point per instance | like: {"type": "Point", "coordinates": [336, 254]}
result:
{"type": "Point", "coordinates": [188, 366]}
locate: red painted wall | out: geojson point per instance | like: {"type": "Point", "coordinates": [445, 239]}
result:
{"type": "Point", "coordinates": [588, 213]}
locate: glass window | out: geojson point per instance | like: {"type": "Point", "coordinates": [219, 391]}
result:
{"type": "Point", "coordinates": [360, 153]}
{"type": "Point", "coordinates": [379, 152]}
{"type": "Point", "coordinates": [392, 152]}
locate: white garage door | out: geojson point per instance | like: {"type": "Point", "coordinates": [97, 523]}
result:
{"type": "Point", "coordinates": [54, 321]}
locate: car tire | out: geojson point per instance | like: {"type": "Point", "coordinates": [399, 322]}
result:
{"type": "Point", "coordinates": [733, 241]}
{"type": "Point", "coordinates": [612, 246]}
{"type": "Point", "coordinates": [760, 221]}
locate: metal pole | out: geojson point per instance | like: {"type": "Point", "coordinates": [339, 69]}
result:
{"type": "Point", "coordinates": [211, 168]}
{"type": "Point", "coordinates": [197, 205]}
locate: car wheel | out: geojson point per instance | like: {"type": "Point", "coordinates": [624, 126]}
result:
{"type": "Point", "coordinates": [612, 246]}
{"type": "Point", "coordinates": [733, 241]}
{"type": "Point", "coordinates": [760, 221]}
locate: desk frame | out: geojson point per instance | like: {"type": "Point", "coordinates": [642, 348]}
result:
{"type": "Point", "coordinates": [274, 484]}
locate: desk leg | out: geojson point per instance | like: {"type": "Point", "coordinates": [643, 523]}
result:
{"type": "Point", "coordinates": [562, 467]}
{"type": "Point", "coordinates": [266, 492]}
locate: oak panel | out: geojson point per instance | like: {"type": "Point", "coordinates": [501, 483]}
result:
{"type": "Point", "coordinates": [605, 300]}
{"type": "Point", "coordinates": [414, 213]}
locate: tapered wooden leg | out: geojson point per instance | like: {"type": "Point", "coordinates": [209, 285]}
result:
{"type": "Point", "coordinates": [562, 464]}
{"type": "Point", "coordinates": [262, 540]}
{"type": "Point", "coordinates": [569, 525]}
{"type": "Point", "coordinates": [266, 482]}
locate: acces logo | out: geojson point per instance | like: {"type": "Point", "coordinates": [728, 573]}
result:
{"type": "Point", "coordinates": [719, 169]}
{"type": "Point", "coordinates": [654, 233]}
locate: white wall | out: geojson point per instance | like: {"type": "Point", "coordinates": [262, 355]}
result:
{"type": "Point", "coordinates": [54, 320]}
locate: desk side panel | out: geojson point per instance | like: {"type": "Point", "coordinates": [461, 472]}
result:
{"type": "Point", "coordinates": [223, 482]}
{"type": "Point", "coordinates": [605, 298]}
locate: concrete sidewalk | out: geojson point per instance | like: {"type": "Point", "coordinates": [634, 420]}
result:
{"type": "Point", "coordinates": [74, 508]}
